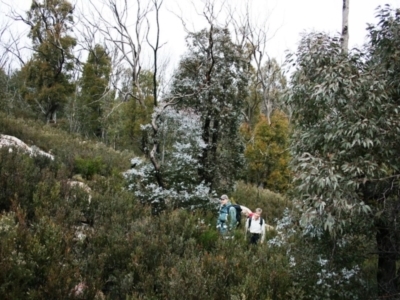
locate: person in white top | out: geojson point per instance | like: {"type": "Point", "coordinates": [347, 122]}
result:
{"type": "Point", "coordinates": [255, 225]}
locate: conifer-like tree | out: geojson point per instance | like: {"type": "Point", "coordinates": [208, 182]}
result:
{"type": "Point", "coordinates": [47, 73]}
{"type": "Point", "coordinates": [95, 85]}
{"type": "Point", "coordinates": [267, 156]}
{"type": "Point", "coordinates": [133, 114]}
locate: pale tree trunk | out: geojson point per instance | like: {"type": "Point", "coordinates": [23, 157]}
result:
{"type": "Point", "coordinates": [345, 26]}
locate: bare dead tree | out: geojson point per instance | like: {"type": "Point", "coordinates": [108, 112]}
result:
{"type": "Point", "coordinates": [4, 54]}
{"type": "Point", "coordinates": [11, 41]}
{"type": "Point", "coordinates": [254, 39]}
{"type": "Point", "coordinates": [113, 21]}
{"type": "Point", "coordinates": [90, 38]}
{"type": "Point", "coordinates": [126, 36]}
{"type": "Point", "coordinates": [155, 47]}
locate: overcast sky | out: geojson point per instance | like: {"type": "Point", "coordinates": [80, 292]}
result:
{"type": "Point", "coordinates": [285, 20]}
{"type": "Point", "coordinates": [323, 15]}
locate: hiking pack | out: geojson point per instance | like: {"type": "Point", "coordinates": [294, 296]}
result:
{"type": "Point", "coordinates": [238, 212]}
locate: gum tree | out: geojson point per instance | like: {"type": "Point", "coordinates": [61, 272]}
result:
{"type": "Point", "coordinates": [346, 138]}
{"type": "Point", "coordinates": [180, 146]}
{"type": "Point", "coordinates": [212, 81]}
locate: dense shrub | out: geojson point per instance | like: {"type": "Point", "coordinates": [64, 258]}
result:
{"type": "Point", "coordinates": [65, 146]}
{"type": "Point", "coordinates": [58, 245]}
{"type": "Point", "coordinates": [89, 166]}
{"type": "Point", "coordinates": [272, 204]}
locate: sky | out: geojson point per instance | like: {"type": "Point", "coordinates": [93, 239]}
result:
{"type": "Point", "coordinates": [297, 16]}
{"type": "Point", "coordinates": [284, 20]}
{"type": "Point", "coordinates": [287, 19]}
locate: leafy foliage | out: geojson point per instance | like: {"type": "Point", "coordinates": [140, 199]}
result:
{"type": "Point", "coordinates": [337, 139]}
{"type": "Point", "coordinates": [212, 81]}
{"type": "Point", "coordinates": [180, 147]}
{"type": "Point", "coordinates": [134, 114]}
{"type": "Point", "coordinates": [46, 74]}
{"type": "Point", "coordinates": [266, 152]}
{"type": "Point", "coordinates": [95, 85]}
{"type": "Point", "coordinates": [346, 137]}
{"type": "Point", "coordinates": [89, 167]}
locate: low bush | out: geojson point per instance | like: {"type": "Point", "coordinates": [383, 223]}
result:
{"type": "Point", "coordinates": [271, 203]}
{"type": "Point", "coordinates": [88, 167]}
{"type": "Point", "coordinates": [56, 244]}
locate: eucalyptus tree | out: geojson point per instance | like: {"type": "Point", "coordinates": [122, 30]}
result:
{"type": "Point", "coordinates": [46, 74]}
{"type": "Point", "coordinates": [346, 138]}
{"type": "Point", "coordinates": [180, 143]}
{"type": "Point", "coordinates": [212, 79]}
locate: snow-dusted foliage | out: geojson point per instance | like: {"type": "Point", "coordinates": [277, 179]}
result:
{"type": "Point", "coordinates": [318, 264]}
{"type": "Point", "coordinates": [212, 80]}
{"type": "Point", "coordinates": [180, 146]}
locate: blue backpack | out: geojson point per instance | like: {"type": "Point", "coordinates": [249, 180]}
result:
{"type": "Point", "coordinates": [238, 212]}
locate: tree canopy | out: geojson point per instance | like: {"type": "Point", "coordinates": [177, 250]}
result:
{"type": "Point", "coordinates": [346, 136]}
{"type": "Point", "coordinates": [47, 72]}
{"type": "Point", "coordinates": [212, 80]}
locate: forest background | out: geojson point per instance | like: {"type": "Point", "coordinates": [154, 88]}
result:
{"type": "Point", "coordinates": [125, 207]}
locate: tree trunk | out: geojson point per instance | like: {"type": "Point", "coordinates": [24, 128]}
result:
{"type": "Point", "coordinates": [386, 275]}
{"type": "Point", "coordinates": [345, 26]}
{"type": "Point", "coordinates": [51, 114]}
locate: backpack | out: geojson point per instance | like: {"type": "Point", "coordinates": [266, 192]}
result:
{"type": "Point", "coordinates": [238, 212]}
{"type": "Point", "coordinates": [250, 218]}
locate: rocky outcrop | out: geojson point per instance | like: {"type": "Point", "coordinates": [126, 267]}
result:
{"type": "Point", "coordinates": [13, 142]}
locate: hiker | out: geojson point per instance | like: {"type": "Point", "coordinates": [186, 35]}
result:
{"type": "Point", "coordinates": [226, 216]}
{"type": "Point", "coordinates": [255, 225]}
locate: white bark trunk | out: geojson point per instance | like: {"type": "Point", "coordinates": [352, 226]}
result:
{"type": "Point", "coordinates": [345, 26]}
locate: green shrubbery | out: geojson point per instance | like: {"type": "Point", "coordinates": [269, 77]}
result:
{"type": "Point", "coordinates": [89, 167]}
{"type": "Point", "coordinates": [252, 197]}
{"type": "Point", "coordinates": [70, 150]}
{"type": "Point", "coordinates": [55, 243]}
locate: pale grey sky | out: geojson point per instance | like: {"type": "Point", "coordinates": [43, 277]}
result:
{"type": "Point", "coordinates": [285, 20]}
